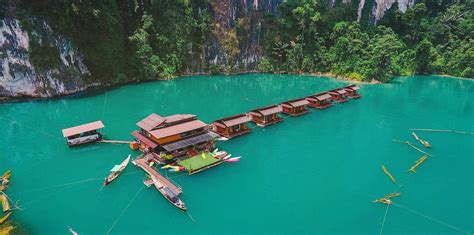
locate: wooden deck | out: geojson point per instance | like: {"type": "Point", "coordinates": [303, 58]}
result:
{"type": "Point", "coordinates": [114, 141]}
{"type": "Point", "coordinates": [143, 163]}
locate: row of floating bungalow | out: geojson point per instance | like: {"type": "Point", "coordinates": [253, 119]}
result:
{"type": "Point", "coordinates": [185, 142]}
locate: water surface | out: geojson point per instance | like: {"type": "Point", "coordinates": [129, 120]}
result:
{"type": "Point", "coordinates": [315, 174]}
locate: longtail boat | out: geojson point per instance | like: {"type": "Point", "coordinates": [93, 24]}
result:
{"type": "Point", "coordinates": [388, 174]}
{"type": "Point", "coordinates": [5, 203]}
{"type": "Point", "coordinates": [6, 175]}
{"type": "Point", "coordinates": [169, 194]}
{"type": "Point", "coordinates": [417, 164]}
{"type": "Point", "coordinates": [4, 218]}
{"type": "Point", "coordinates": [116, 171]}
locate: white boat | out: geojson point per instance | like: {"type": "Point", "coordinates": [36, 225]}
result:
{"type": "Point", "coordinates": [116, 171]}
{"type": "Point", "coordinates": [215, 150]}
{"type": "Point", "coordinates": [227, 157]}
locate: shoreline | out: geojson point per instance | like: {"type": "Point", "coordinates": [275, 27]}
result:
{"type": "Point", "coordinates": [96, 88]}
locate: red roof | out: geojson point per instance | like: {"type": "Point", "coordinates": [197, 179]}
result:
{"type": "Point", "coordinates": [152, 121]}
{"type": "Point", "coordinates": [296, 103]}
{"type": "Point", "coordinates": [178, 117]}
{"type": "Point", "coordinates": [82, 128]}
{"type": "Point", "coordinates": [177, 129]}
{"type": "Point", "coordinates": [269, 110]}
{"type": "Point", "coordinates": [353, 87]}
{"type": "Point", "coordinates": [234, 120]}
{"type": "Point", "coordinates": [144, 139]}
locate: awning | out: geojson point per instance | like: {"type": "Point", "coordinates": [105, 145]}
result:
{"type": "Point", "coordinates": [144, 140]}
{"type": "Point", "coordinates": [116, 168]}
{"type": "Point", "coordinates": [150, 122]}
{"type": "Point", "coordinates": [177, 129]}
{"type": "Point", "coordinates": [189, 142]}
{"type": "Point", "coordinates": [233, 120]}
{"type": "Point", "coordinates": [297, 103]}
{"type": "Point", "coordinates": [82, 128]}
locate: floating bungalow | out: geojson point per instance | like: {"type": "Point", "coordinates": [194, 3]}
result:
{"type": "Point", "coordinates": [320, 100]}
{"type": "Point", "coordinates": [232, 126]}
{"type": "Point", "coordinates": [352, 91]}
{"type": "Point", "coordinates": [266, 116]}
{"type": "Point", "coordinates": [174, 136]}
{"type": "Point", "coordinates": [338, 95]}
{"type": "Point", "coordinates": [86, 133]}
{"type": "Point", "coordinates": [295, 107]}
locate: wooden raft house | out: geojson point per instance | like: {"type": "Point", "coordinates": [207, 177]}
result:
{"type": "Point", "coordinates": [320, 101]}
{"type": "Point", "coordinates": [338, 95]}
{"type": "Point", "coordinates": [352, 91]}
{"type": "Point", "coordinates": [86, 133]}
{"type": "Point", "coordinates": [295, 107]}
{"type": "Point", "coordinates": [173, 136]}
{"type": "Point", "coordinates": [266, 116]}
{"type": "Point", "coordinates": [232, 126]}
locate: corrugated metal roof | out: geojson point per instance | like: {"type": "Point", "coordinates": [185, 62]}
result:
{"type": "Point", "coordinates": [177, 129]}
{"type": "Point", "coordinates": [82, 128]}
{"type": "Point", "coordinates": [323, 97]}
{"type": "Point", "coordinates": [188, 142]}
{"type": "Point", "coordinates": [152, 121]}
{"type": "Point", "coordinates": [341, 91]}
{"type": "Point", "coordinates": [144, 139]}
{"type": "Point", "coordinates": [178, 117]}
{"type": "Point", "coordinates": [353, 87]}
{"type": "Point", "coordinates": [234, 120]}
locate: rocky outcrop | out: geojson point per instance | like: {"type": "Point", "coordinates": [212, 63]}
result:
{"type": "Point", "coordinates": [380, 6]}
{"type": "Point", "coordinates": [20, 77]}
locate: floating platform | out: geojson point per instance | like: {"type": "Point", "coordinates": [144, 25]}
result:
{"type": "Point", "coordinates": [199, 163]}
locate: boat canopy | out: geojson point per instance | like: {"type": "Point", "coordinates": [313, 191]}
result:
{"type": "Point", "coordinates": [82, 128]}
{"type": "Point", "coordinates": [116, 168]}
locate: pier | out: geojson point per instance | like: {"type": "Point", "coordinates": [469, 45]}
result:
{"type": "Point", "coordinates": [114, 141]}
{"type": "Point", "coordinates": [157, 177]}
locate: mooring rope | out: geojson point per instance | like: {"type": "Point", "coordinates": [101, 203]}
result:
{"type": "Point", "coordinates": [31, 128]}
{"type": "Point", "coordinates": [438, 130]}
{"type": "Point", "coordinates": [432, 219]}
{"type": "Point", "coordinates": [384, 219]}
{"type": "Point", "coordinates": [411, 145]}
{"type": "Point", "coordinates": [189, 214]}
{"type": "Point", "coordinates": [123, 211]}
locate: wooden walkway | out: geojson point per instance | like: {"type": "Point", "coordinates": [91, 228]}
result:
{"type": "Point", "coordinates": [114, 141]}
{"type": "Point", "coordinates": [142, 163]}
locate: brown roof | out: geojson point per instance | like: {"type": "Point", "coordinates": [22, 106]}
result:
{"type": "Point", "coordinates": [340, 91]}
{"type": "Point", "coordinates": [234, 120]}
{"type": "Point", "coordinates": [151, 122]}
{"type": "Point", "coordinates": [179, 117]}
{"type": "Point", "coordinates": [177, 129]}
{"type": "Point", "coordinates": [144, 139]}
{"type": "Point", "coordinates": [269, 110]}
{"type": "Point", "coordinates": [322, 97]}
{"type": "Point", "coordinates": [353, 87]}
{"type": "Point", "coordinates": [82, 128]}
{"type": "Point", "coordinates": [296, 102]}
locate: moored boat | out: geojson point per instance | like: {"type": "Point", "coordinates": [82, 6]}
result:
{"type": "Point", "coordinates": [6, 175]}
{"type": "Point", "coordinates": [4, 218]}
{"type": "Point", "coordinates": [169, 195]}
{"type": "Point", "coordinates": [5, 203]}
{"type": "Point", "coordinates": [116, 171]}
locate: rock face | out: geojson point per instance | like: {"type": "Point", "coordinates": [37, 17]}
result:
{"type": "Point", "coordinates": [19, 77]}
{"type": "Point", "coordinates": [235, 41]}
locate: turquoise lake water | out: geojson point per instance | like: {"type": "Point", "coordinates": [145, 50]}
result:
{"type": "Point", "coordinates": [314, 174]}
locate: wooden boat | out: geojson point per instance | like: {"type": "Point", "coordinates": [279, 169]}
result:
{"type": "Point", "coordinates": [116, 171]}
{"type": "Point", "coordinates": [6, 175]}
{"type": "Point", "coordinates": [169, 195]}
{"type": "Point", "coordinates": [5, 203]}
{"type": "Point", "coordinates": [4, 218]}
{"type": "Point", "coordinates": [7, 229]}
{"type": "Point", "coordinates": [417, 164]}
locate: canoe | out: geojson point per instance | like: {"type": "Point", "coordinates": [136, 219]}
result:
{"type": "Point", "coordinates": [4, 218]}
{"type": "Point", "coordinates": [5, 202]}
{"type": "Point", "coordinates": [227, 157]}
{"type": "Point", "coordinates": [116, 171]}
{"type": "Point", "coordinates": [169, 195]}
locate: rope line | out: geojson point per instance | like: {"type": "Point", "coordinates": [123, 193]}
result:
{"type": "Point", "coordinates": [432, 219]}
{"type": "Point", "coordinates": [437, 130]}
{"type": "Point", "coordinates": [411, 145]}
{"type": "Point", "coordinates": [123, 211]}
{"type": "Point", "coordinates": [31, 128]}
{"type": "Point", "coordinates": [384, 219]}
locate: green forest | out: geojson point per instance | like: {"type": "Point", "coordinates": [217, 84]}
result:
{"type": "Point", "coordinates": [140, 40]}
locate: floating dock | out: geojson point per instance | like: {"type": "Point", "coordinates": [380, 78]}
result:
{"type": "Point", "coordinates": [143, 163]}
{"type": "Point", "coordinates": [199, 163]}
